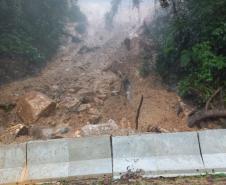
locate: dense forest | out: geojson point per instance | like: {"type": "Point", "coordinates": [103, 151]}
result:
{"type": "Point", "coordinates": [191, 46]}
{"type": "Point", "coordinates": [31, 29]}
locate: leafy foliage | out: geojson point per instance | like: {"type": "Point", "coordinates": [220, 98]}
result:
{"type": "Point", "coordinates": [31, 29]}
{"type": "Point", "coordinates": [191, 45]}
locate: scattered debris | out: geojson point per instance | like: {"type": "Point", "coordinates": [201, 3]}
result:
{"type": "Point", "coordinates": [15, 131]}
{"type": "Point", "coordinates": [70, 103]}
{"type": "Point", "coordinates": [34, 105]}
{"type": "Point", "coordinates": [130, 175]}
{"type": "Point", "coordinates": [84, 107]}
{"type": "Point", "coordinates": [157, 129]}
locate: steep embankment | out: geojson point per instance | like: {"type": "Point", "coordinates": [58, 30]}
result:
{"type": "Point", "coordinates": [103, 75]}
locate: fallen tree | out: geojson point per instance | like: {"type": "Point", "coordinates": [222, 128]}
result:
{"type": "Point", "coordinates": [205, 115]}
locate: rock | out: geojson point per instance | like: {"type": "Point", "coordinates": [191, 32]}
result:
{"type": "Point", "coordinates": [94, 111]}
{"type": "Point", "coordinates": [77, 133]}
{"type": "Point", "coordinates": [84, 107]}
{"type": "Point", "coordinates": [62, 130]}
{"type": "Point", "coordinates": [98, 101]}
{"type": "Point", "coordinates": [115, 93]}
{"type": "Point", "coordinates": [86, 95]}
{"type": "Point", "coordinates": [100, 129]}
{"type": "Point", "coordinates": [94, 119]}
{"type": "Point", "coordinates": [102, 96]}
{"type": "Point", "coordinates": [34, 105]}
{"type": "Point", "coordinates": [124, 123]}
{"type": "Point", "coordinates": [55, 87]}
{"type": "Point", "coordinates": [124, 132]}
{"type": "Point", "coordinates": [70, 103]}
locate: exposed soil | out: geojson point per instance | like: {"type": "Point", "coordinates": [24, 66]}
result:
{"type": "Point", "coordinates": [107, 78]}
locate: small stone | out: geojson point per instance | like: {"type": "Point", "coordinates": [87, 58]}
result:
{"type": "Point", "coordinates": [94, 119]}
{"type": "Point", "coordinates": [102, 96]}
{"type": "Point", "coordinates": [83, 107]}
{"type": "Point", "coordinates": [98, 101]}
{"type": "Point", "coordinates": [63, 130]}
{"type": "Point", "coordinates": [114, 93]}
{"type": "Point", "coordinates": [55, 87]}
{"type": "Point", "coordinates": [77, 133]}
{"type": "Point", "coordinates": [70, 103]}
{"type": "Point", "coordinates": [93, 111]}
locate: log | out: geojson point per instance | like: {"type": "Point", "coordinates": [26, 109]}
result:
{"type": "Point", "coordinates": [138, 112]}
{"type": "Point", "coordinates": [205, 115]}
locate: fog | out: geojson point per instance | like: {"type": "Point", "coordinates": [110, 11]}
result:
{"type": "Point", "coordinates": [127, 15]}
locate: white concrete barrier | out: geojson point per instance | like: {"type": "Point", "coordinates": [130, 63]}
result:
{"type": "Point", "coordinates": [149, 155]}
{"type": "Point", "coordinates": [55, 159]}
{"type": "Point", "coordinates": [12, 163]}
{"type": "Point", "coordinates": [213, 147]}
{"type": "Point", "coordinates": [154, 155]}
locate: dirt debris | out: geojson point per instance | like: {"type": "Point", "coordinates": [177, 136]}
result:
{"type": "Point", "coordinates": [89, 88]}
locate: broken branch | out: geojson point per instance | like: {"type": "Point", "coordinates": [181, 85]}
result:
{"type": "Point", "coordinates": [211, 98]}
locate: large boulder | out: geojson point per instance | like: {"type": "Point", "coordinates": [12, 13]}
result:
{"type": "Point", "coordinates": [34, 105]}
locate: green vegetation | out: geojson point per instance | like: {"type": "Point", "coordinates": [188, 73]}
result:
{"type": "Point", "coordinates": [191, 40]}
{"type": "Point", "coordinates": [31, 29]}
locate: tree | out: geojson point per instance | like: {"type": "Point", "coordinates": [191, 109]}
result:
{"type": "Point", "coordinates": [32, 29]}
{"type": "Point", "coordinates": [192, 47]}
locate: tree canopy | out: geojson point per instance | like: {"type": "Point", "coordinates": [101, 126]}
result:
{"type": "Point", "coordinates": [191, 41]}
{"type": "Point", "coordinates": [31, 29]}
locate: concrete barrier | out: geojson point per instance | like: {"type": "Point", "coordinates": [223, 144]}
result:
{"type": "Point", "coordinates": [148, 155]}
{"type": "Point", "coordinates": [12, 163]}
{"type": "Point", "coordinates": [154, 155]}
{"type": "Point", "coordinates": [213, 147]}
{"type": "Point", "coordinates": [55, 159]}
